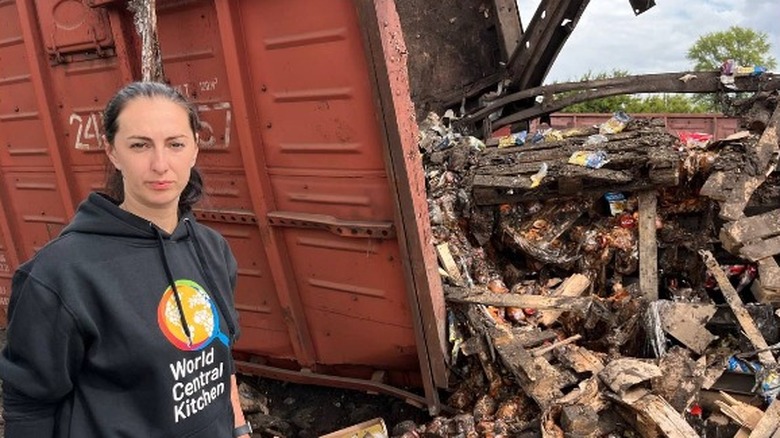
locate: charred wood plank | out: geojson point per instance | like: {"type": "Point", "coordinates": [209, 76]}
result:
{"type": "Point", "coordinates": [509, 27]}
{"type": "Point", "coordinates": [580, 359]}
{"type": "Point", "coordinates": [761, 250]}
{"type": "Point", "coordinates": [768, 282]}
{"type": "Point", "coordinates": [743, 317]}
{"type": "Point", "coordinates": [735, 188]}
{"type": "Point", "coordinates": [539, 379]}
{"type": "Point", "coordinates": [746, 230]}
{"type": "Point", "coordinates": [686, 323]}
{"type": "Point", "coordinates": [479, 296]}
{"type": "Point", "coordinates": [544, 38]}
{"type": "Point", "coordinates": [769, 425]}
{"type": "Point", "coordinates": [659, 415]}
{"type": "Point", "coordinates": [642, 159]}
{"type": "Point", "coordinates": [648, 245]}
{"type": "Point", "coordinates": [491, 189]}
{"type": "Point", "coordinates": [573, 286]}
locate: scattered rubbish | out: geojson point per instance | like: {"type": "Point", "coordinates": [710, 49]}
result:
{"type": "Point", "coordinates": [557, 325]}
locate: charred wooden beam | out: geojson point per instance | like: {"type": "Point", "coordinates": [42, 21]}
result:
{"type": "Point", "coordinates": [539, 379]}
{"type": "Point", "coordinates": [547, 32]}
{"type": "Point", "coordinates": [510, 29]}
{"type": "Point", "coordinates": [735, 187]}
{"type": "Point", "coordinates": [556, 303]}
{"type": "Point", "coordinates": [735, 235]}
{"type": "Point", "coordinates": [745, 320]}
{"type": "Point", "coordinates": [648, 245]}
{"type": "Point", "coordinates": [769, 424]}
{"type": "Point", "coordinates": [582, 91]}
{"type": "Point", "coordinates": [645, 160]}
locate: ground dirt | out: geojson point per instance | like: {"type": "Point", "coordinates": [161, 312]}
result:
{"type": "Point", "coordinates": [310, 411]}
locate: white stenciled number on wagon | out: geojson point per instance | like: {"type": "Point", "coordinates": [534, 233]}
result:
{"type": "Point", "coordinates": [87, 130]}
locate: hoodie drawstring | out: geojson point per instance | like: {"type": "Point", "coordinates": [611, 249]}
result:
{"type": "Point", "coordinates": [216, 295]}
{"type": "Point", "coordinates": [172, 283]}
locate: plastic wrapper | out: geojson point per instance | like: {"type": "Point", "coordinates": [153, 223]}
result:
{"type": "Point", "coordinates": [616, 201]}
{"type": "Point", "coordinates": [697, 140]}
{"type": "Point", "coordinates": [540, 135]}
{"type": "Point", "coordinates": [737, 365]}
{"type": "Point", "coordinates": [537, 178]}
{"type": "Point", "coordinates": [553, 135]}
{"type": "Point", "coordinates": [615, 124]}
{"type": "Point", "coordinates": [596, 139]}
{"type": "Point", "coordinates": [769, 388]}
{"type": "Point", "coordinates": [517, 139]}
{"type": "Point", "coordinates": [590, 159]}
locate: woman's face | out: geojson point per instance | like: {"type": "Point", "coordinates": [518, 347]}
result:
{"type": "Point", "coordinates": [155, 150]}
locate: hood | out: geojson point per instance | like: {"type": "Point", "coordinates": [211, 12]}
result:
{"type": "Point", "coordinates": [100, 214]}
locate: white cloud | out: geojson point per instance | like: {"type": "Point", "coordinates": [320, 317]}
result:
{"type": "Point", "coordinates": [609, 36]}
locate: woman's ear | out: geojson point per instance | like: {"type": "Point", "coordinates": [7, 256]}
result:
{"type": "Point", "coordinates": [110, 152]}
{"type": "Point", "coordinates": [197, 149]}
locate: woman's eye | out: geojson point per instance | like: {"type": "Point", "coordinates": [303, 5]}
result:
{"type": "Point", "coordinates": [177, 145]}
{"type": "Point", "coordinates": [137, 145]}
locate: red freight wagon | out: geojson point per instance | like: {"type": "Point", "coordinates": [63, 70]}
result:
{"type": "Point", "coordinates": [309, 153]}
{"type": "Point", "coordinates": [718, 125]}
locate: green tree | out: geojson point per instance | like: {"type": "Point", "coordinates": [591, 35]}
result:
{"type": "Point", "coordinates": [664, 103]}
{"type": "Point", "coordinates": [603, 105]}
{"type": "Point", "coordinates": [745, 46]}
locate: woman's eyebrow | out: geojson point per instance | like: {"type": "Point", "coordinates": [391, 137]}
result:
{"type": "Point", "coordinates": [141, 137]}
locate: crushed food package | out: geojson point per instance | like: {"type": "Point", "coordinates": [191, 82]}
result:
{"type": "Point", "coordinates": [591, 159]}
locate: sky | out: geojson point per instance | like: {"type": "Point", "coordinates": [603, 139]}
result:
{"type": "Point", "coordinates": [609, 36]}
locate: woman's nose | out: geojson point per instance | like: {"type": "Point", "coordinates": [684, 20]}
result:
{"type": "Point", "coordinates": [159, 160]}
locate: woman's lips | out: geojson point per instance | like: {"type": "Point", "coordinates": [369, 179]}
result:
{"type": "Point", "coordinates": [160, 185]}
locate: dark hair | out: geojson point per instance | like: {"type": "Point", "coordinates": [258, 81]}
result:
{"type": "Point", "coordinates": [114, 185]}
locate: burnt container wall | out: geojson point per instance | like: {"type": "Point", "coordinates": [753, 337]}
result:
{"type": "Point", "coordinates": [451, 45]}
{"type": "Point", "coordinates": [291, 130]}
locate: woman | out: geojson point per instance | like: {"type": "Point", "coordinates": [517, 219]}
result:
{"type": "Point", "coordinates": [122, 326]}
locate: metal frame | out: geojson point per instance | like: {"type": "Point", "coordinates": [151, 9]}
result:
{"type": "Point", "coordinates": [385, 50]}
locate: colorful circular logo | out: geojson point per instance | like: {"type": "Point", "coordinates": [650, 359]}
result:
{"type": "Point", "coordinates": [199, 311]}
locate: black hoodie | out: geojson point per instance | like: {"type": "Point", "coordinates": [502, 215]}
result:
{"type": "Point", "coordinates": [97, 346]}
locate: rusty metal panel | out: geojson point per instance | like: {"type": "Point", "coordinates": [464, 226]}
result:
{"type": "Point", "coordinates": [22, 139]}
{"type": "Point", "coordinates": [321, 148]}
{"type": "Point", "coordinates": [194, 63]}
{"type": "Point", "coordinates": [311, 87]}
{"type": "Point", "coordinates": [363, 198]}
{"type": "Point", "coordinates": [72, 26]}
{"type": "Point", "coordinates": [355, 306]}
{"type": "Point", "coordinates": [261, 314]}
{"type": "Point", "coordinates": [386, 53]}
{"type": "Point", "coordinates": [35, 200]}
